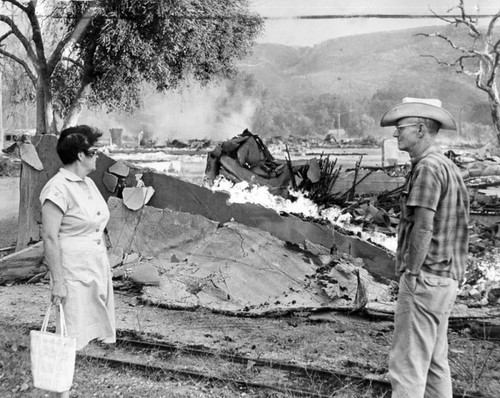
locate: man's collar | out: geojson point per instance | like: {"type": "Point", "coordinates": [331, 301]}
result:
{"type": "Point", "coordinates": [428, 151]}
{"type": "Point", "coordinates": [69, 175]}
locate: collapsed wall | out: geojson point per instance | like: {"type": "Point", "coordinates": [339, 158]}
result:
{"type": "Point", "coordinates": [179, 195]}
{"type": "Point", "coordinates": [232, 268]}
{"type": "Point", "coordinates": [174, 194]}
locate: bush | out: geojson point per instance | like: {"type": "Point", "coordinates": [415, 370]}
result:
{"type": "Point", "coordinates": [7, 166]}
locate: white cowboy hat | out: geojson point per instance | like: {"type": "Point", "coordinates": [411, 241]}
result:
{"type": "Point", "coordinates": [419, 107]}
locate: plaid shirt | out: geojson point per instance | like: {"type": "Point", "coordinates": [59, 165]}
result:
{"type": "Point", "coordinates": [436, 183]}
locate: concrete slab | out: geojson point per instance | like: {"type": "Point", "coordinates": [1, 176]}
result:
{"type": "Point", "coordinates": [175, 194]}
{"type": "Point", "coordinates": [230, 268]}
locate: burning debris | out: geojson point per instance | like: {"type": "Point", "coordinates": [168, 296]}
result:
{"type": "Point", "coordinates": [339, 247]}
{"type": "Point", "coordinates": [375, 217]}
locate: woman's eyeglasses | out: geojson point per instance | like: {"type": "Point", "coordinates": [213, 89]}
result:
{"type": "Point", "coordinates": [91, 152]}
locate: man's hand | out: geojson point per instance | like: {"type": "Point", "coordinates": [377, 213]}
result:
{"type": "Point", "coordinates": [411, 281]}
{"type": "Point", "coordinates": [59, 292]}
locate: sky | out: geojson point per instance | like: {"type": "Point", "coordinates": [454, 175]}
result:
{"type": "Point", "coordinates": [282, 25]}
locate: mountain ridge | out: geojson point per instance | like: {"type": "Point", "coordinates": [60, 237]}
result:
{"type": "Point", "coordinates": [356, 67]}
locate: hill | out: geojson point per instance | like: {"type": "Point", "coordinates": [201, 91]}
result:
{"type": "Point", "coordinates": [355, 67]}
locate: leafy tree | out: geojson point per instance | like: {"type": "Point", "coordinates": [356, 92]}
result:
{"type": "Point", "coordinates": [386, 98]}
{"type": "Point", "coordinates": [361, 125]}
{"type": "Point", "coordinates": [18, 99]}
{"type": "Point", "coordinates": [478, 54]}
{"type": "Point", "coordinates": [101, 52]}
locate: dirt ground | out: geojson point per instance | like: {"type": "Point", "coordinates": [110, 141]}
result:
{"type": "Point", "coordinates": [350, 344]}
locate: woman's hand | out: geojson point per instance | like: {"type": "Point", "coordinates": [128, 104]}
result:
{"type": "Point", "coordinates": [59, 292]}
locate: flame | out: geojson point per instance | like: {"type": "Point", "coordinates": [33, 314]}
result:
{"type": "Point", "coordinates": [243, 192]}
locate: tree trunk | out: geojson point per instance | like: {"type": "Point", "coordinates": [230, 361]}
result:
{"type": "Point", "coordinates": [40, 109]}
{"type": "Point", "coordinates": [75, 109]}
{"type": "Point", "coordinates": [45, 122]}
{"type": "Point", "coordinates": [496, 123]}
{"type": "Point", "coordinates": [32, 182]}
{"type": "Point", "coordinates": [495, 115]}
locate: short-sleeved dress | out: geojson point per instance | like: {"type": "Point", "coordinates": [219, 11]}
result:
{"type": "Point", "coordinates": [89, 305]}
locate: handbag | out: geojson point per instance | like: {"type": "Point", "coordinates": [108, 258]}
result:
{"type": "Point", "coordinates": [52, 356]}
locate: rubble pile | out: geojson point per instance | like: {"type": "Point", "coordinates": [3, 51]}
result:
{"type": "Point", "coordinates": [229, 269]}
{"type": "Point", "coordinates": [375, 217]}
{"type": "Point", "coordinates": [251, 248]}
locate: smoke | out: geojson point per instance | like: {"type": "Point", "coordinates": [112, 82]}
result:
{"type": "Point", "coordinates": [191, 113]}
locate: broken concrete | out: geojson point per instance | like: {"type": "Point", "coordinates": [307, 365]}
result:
{"type": "Point", "coordinates": [228, 268]}
{"type": "Point", "coordinates": [183, 196]}
{"type": "Point", "coordinates": [119, 169]}
{"type": "Point", "coordinates": [110, 181]}
{"type": "Point", "coordinates": [136, 197]}
{"type": "Point", "coordinates": [28, 155]}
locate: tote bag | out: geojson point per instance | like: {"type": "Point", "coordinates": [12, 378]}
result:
{"type": "Point", "coordinates": [52, 356]}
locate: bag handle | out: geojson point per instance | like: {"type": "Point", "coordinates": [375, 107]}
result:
{"type": "Point", "coordinates": [62, 322]}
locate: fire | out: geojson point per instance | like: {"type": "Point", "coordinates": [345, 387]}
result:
{"type": "Point", "coordinates": [243, 192]}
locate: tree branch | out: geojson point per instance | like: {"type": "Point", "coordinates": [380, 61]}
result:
{"type": "Point", "coordinates": [6, 35]}
{"type": "Point", "coordinates": [450, 42]}
{"type": "Point", "coordinates": [458, 64]}
{"type": "Point", "coordinates": [493, 72]}
{"type": "Point", "coordinates": [37, 33]}
{"type": "Point", "coordinates": [21, 62]}
{"type": "Point", "coordinates": [468, 21]}
{"type": "Point", "coordinates": [16, 4]}
{"type": "Point", "coordinates": [491, 25]}
{"type": "Point", "coordinates": [463, 20]}
{"type": "Point", "coordinates": [444, 19]}
{"type": "Point", "coordinates": [73, 61]}
{"type": "Point", "coordinates": [74, 35]}
{"type": "Point", "coordinates": [24, 41]}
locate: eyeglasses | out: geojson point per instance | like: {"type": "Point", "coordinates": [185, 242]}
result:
{"type": "Point", "coordinates": [91, 152]}
{"type": "Point", "coordinates": [402, 126]}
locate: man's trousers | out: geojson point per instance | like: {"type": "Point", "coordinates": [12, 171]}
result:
{"type": "Point", "coordinates": [418, 360]}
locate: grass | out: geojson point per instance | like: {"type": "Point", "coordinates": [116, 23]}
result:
{"type": "Point", "coordinates": [475, 365]}
{"type": "Point", "coordinates": [94, 379]}
{"type": "Point", "coordinates": [473, 362]}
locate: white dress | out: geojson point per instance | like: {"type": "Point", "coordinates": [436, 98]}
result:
{"type": "Point", "coordinates": [89, 305]}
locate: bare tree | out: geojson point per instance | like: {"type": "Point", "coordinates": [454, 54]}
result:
{"type": "Point", "coordinates": [477, 54]}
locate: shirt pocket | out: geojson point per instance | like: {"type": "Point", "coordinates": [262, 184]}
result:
{"type": "Point", "coordinates": [435, 281]}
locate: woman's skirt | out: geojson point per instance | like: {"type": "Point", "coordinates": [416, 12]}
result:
{"type": "Point", "coordinates": [89, 306]}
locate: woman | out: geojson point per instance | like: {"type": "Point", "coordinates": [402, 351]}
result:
{"type": "Point", "coordinates": [74, 215]}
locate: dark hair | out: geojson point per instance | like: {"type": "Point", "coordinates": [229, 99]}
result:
{"type": "Point", "coordinates": [74, 140]}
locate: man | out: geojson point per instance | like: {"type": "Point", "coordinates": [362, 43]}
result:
{"type": "Point", "coordinates": [431, 256]}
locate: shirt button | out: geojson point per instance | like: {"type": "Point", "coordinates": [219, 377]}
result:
{"type": "Point", "coordinates": [97, 230]}
{"type": "Point", "coordinates": [98, 241]}
{"type": "Point", "coordinates": [98, 213]}
{"type": "Point", "coordinates": [90, 197]}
